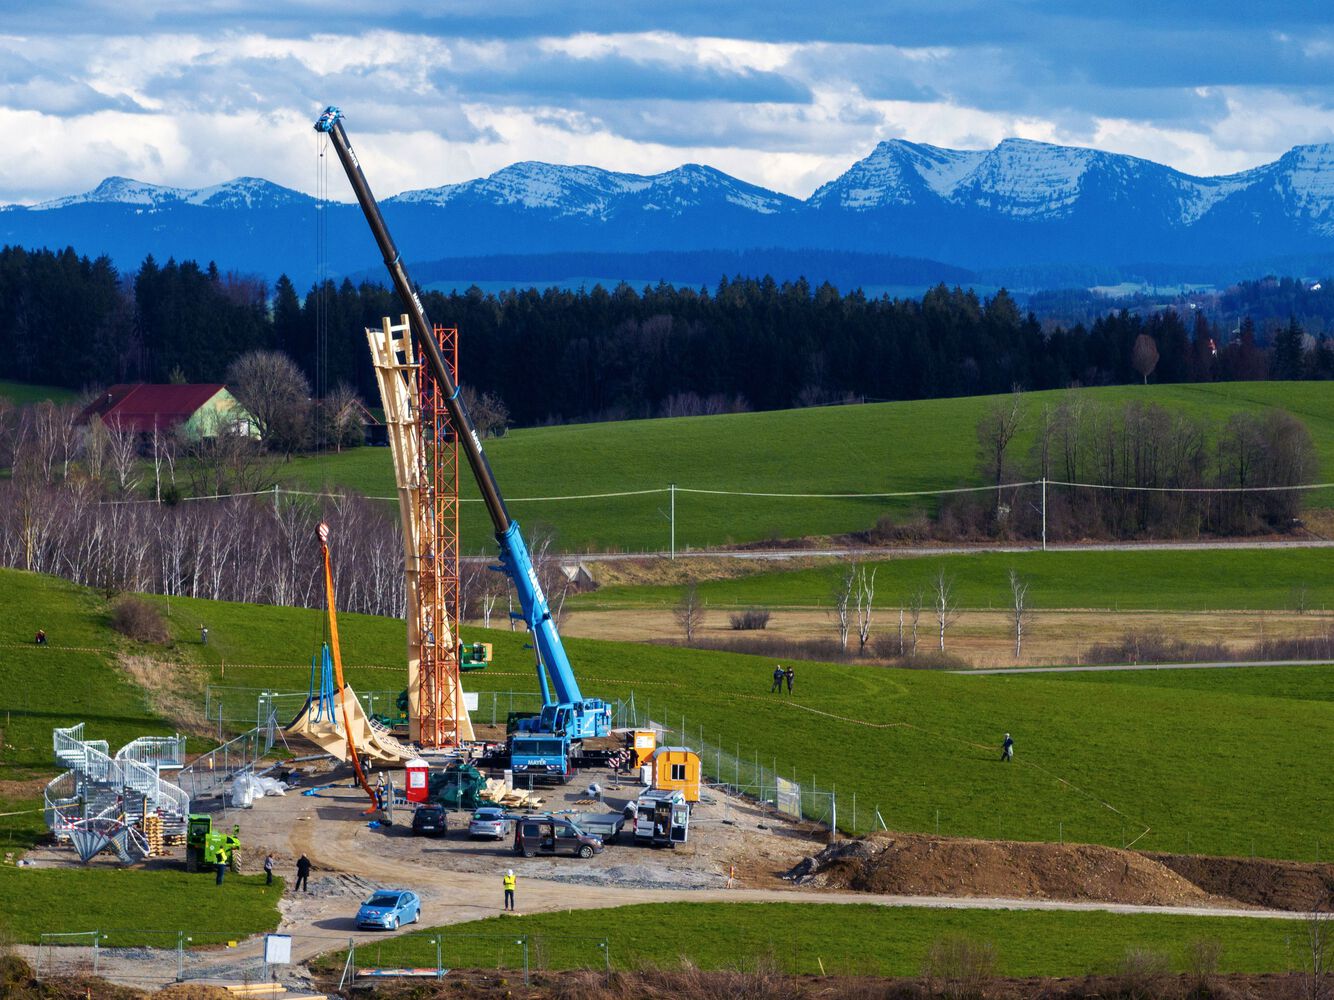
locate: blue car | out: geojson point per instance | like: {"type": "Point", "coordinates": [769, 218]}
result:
{"type": "Point", "coordinates": [389, 908]}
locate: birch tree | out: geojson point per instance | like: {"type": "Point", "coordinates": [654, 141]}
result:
{"type": "Point", "coordinates": [1021, 613]}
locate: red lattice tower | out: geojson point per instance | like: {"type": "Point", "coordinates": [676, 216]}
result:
{"type": "Point", "coordinates": [438, 518]}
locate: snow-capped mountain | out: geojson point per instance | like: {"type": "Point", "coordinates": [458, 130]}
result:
{"type": "Point", "coordinates": [1022, 203]}
{"type": "Point", "coordinates": [242, 192]}
{"type": "Point", "coordinates": [592, 193]}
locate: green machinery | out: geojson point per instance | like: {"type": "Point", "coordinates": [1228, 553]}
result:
{"type": "Point", "coordinates": [472, 656]}
{"type": "Point", "coordinates": [458, 786]}
{"type": "Point", "coordinates": [205, 847]}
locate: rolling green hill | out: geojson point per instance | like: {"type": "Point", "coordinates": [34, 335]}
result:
{"type": "Point", "coordinates": [1144, 579]}
{"type": "Point", "coordinates": [886, 447]}
{"type": "Point", "coordinates": [21, 393]}
{"type": "Point", "coordinates": [1218, 768]}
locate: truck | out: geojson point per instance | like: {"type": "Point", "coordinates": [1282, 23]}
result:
{"type": "Point", "coordinates": [662, 817]}
{"type": "Point", "coordinates": [567, 715]}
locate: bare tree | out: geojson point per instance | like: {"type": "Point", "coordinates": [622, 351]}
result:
{"type": "Point", "coordinates": [1021, 613]}
{"type": "Point", "coordinates": [1144, 356]}
{"type": "Point", "coordinates": [865, 593]}
{"type": "Point", "coordinates": [841, 592]}
{"type": "Point", "coordinates": [943, 603]}
{"type": "Point", "coordinates": [1320, 944]}
{"type": "Point", "coordinates": [995, 431]}
{"type": "Point", "coordinates": [689, 612]}
{"type": "Point", "coordinates": [915, 605]}
{"type": "Point", "coordinates": [226, 462]}
{"type": "Point", "coordinates": [123, 455]}
{"type": "Point", "coordinates": [162, 451]}
{"type": "Point", "coordinates": [489, 413]}
{"type": "Point", "coordinates": [275, 392]}
{"type": "Point", "coordinates": [340, 410]}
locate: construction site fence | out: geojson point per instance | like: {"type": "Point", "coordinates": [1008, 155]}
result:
{"type": "Point", "coordinates": [208, 774]}
{"type": "Point", "coordinates": [737, 769]}
{"type": "Point", "coordinates": [153, 959]}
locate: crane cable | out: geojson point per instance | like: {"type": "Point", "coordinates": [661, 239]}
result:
{"type": "Point", "coordinates": [338, 668]}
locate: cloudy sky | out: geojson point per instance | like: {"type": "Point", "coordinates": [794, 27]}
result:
{"type": "Point", "coordinates": [781, 94]}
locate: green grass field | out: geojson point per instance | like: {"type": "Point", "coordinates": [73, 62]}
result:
{"type": "Point", "coordinates": [854, 939]}
{"type": "Point", "coordinates": [1221, 769]}
{"type": "Point", "coordinates": [889, 447]}
{"type": "Point", "coordinates": [135, 906]}
{"type": "Point", "coordinates": [1147, 579]}
{"type": "Point", "coordinates": [1217, 761]}
{"type": "Point", "coordinates": [21, 393]}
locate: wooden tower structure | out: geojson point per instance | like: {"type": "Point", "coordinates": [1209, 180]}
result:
{"type": "Point", "coordinates": [426, 473]}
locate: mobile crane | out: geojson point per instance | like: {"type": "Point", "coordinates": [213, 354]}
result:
{"type": "Point", "coordinates": [548, 742]}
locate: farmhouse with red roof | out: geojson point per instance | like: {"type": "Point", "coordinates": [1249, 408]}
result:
{"type": "Point", "coordinates": [198, 411]}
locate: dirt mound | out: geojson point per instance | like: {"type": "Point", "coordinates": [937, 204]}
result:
{"type": "Point", "coordinates": [907, 864]}
{"type": "Point", "coordinates": [1274, 885]}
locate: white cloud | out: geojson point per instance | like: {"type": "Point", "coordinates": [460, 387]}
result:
{"type": "Point", "coordinates": [217, 104]}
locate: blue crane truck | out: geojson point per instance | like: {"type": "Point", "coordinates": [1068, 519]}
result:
{"type": "Point", "coordinates": [549, 744]}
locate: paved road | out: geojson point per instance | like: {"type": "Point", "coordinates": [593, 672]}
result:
{"type": "Point", "coordinates": [1103, 668]}
{"type": "Point", "coordinates": [778, 555]}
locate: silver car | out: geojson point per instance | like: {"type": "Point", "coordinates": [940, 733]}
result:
{"type": "Point", "coordinates": [489, 821]}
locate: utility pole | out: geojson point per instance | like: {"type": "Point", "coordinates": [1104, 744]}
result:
{"type": "Point", "coordinates": [1044, 513]}
{"type": "Point", "coordinates": [673, 519]}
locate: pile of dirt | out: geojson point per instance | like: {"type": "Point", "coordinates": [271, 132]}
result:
{"type": "Point", "coordinates": [1274, 885]}
{"type": "Point", "coordinates": [914, 865]}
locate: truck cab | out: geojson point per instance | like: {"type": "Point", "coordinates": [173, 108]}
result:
{"type": "Point", "coordinates": [552, 835]}
{"type": "Point", "coordinates": [542, 756]}
{"type": "Point", "coordinates": [662, 818]}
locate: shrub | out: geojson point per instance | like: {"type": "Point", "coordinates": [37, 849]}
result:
{"type": "Point", "coordinates": [751, 618]}
{"type": "Point", "coordinates": [959, 968]}
{"type": "Point", "coordinates": [1142, 974]}
{"type": "Point", "coordinates": [138, 619]}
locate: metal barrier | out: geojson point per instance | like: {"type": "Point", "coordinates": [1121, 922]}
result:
{"type": "Point", "coordinates": [208, 774]}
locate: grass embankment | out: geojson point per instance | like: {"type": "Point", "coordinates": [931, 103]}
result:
{"type": "Point", "coordinates": [1146, 579]}
{"type": "Point", "coordinates": [1216, 771]}
{"type": "Point", "coordinates": [883, 447]}
{"type": "Point", "coordinates": [855, 939]}
{"type": "Point", "coordinates": [75, 678]}
{"type": "Point", "coordinates": [135, 906]}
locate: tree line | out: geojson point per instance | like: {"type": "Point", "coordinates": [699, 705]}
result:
{"type": "Point", "coordinates": [596, 354]}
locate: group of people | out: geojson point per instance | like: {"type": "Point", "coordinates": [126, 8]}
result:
{"type": "Point", "coordinates": [781, 675]}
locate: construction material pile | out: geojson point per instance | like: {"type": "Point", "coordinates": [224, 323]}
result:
{"type": "Point", "coordinates": [511, 798]}
{"type": "Point", "coordinates": [911, 864]}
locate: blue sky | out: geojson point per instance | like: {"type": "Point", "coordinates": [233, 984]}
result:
{"type": "Point", "coordinates": [785, 95]}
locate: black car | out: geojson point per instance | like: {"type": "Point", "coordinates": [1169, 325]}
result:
{"type": "Point", "coordinates": [428, 821]}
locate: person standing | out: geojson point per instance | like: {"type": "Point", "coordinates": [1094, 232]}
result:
{"type": "Point", "coordinates": [302, 874]}
{"type": "Point", "coordinates": [203, 634]}
{"type": "Point", "coordinates": [789, 673]}
{"type": "Point", "coordinates": [509, 882]}
{"type": "Point", "coordinates": [219, 863]}
{"type": "Point", "coordinates": [778, 679]}
{"type": "Point", "coordinates": [268, 868]}
{"type": "Point", "coordinates": [1007, 749]}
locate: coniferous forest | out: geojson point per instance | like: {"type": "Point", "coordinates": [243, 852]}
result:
{"type": "Point", "coordinates": [597, 354]}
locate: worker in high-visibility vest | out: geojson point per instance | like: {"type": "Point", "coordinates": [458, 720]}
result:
{"type": "Point", "coordinates": [508, 882]}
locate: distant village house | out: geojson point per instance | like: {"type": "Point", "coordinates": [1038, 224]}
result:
{"type": "Point", "coordinates": [195, 411]}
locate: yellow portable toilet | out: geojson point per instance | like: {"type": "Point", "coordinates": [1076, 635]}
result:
{"type": "Point", "coordinates": [676, 769]}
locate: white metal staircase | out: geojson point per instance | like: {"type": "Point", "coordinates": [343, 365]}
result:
{"type": "Point", "coordinates": [101, 800]}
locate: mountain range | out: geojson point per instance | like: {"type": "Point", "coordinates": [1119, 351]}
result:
{"type": "Point", "coordinates": [1023, 207]}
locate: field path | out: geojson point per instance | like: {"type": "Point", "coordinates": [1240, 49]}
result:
{"type": "Point", "coordinates": [1103, 668]}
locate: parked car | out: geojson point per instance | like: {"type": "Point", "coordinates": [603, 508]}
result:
{"type": "Point", "coordinates": [489, 821]}
{"type": "Point", "coordinates": [545, 835]}
{"type": "Point", "coordinates": [429, 821]}
{"type": "Point", "coordinates": [388, 908]}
